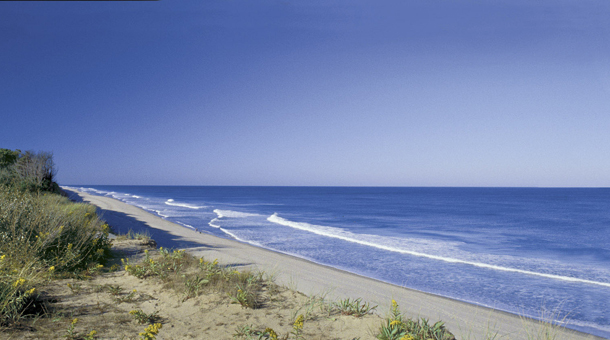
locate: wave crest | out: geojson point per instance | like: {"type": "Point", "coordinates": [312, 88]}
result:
{"type": "Point", "coordinates": [233, 214]}
{"type": "Point", "coordinates": [184, 205]}
{"type": "Point", "coordinates": [351, 237]}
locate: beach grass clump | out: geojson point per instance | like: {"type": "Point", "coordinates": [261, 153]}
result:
{"type": "Point", "coordinates": [547, 327]}
{"type": "Point", "coordinates": [133, 235]}
{"type": "Point", "coordinates": [244, 296]}
{"type": "Point", "coordinates": [51, 230]}
{"type": "Point", "coordinates": [249, 332]}
{"type": "Point", "coordinates": [71, 333]}
{"type": "Point", "coordinates": [169, 262]}
{"type": "Point", "coordinates": [191, 276]}
{"type": "Point", "coordinates": [129, 297]}
{"type": "Point", "coordinates": [18, 290]}
{"type": "Point", "coordinates": [143, 318]}
{"type": "Point", "coordinates": [43, 236]}
{"type": "Point", "coordinates": [397, 327]}
{"type": "Point", "coordinates": [354, 307]}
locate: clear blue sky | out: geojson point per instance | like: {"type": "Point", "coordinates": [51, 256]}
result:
{"type": "Point", "coordinates": [311, 92]}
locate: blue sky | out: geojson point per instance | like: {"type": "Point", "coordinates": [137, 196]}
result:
{"type": "Point", "coordinates": [346, 92]}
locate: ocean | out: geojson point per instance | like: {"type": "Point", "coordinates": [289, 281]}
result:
{"type": "Point", "coordinates": [527, 251]}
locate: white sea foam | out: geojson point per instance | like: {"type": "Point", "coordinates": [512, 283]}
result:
{"type": "Point", "coordinates": [233, 214]}
{"type": "Point", "coordinates": [99, 192]}
{"type": "Point", "coordinates": [136, 196]}
{"type": "Point", "coordinates": [184, 205]}
{"type": "Point", "coordinates": [186, 225]}
{"type": "Point", "coordinates": [239, 239]}
{"type": "Point", "coordinates": [159, 213]}
{"type": "Point", "coordinates": [365, 240]}
{"type": "Point", "coordinates": [211, 223]}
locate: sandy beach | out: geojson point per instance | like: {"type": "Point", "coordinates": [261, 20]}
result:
{"type": "Point", "coordinates": [466, 321]}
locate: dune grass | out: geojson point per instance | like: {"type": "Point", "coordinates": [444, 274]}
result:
{"type": "Point", "coordinates": [43, 236]}
{"type": "Point", "coordinates": [396, 327]}
{"type": "Point", "coordinates": [192, 276]}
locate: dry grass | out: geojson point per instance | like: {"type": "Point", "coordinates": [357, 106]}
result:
{"type": "Point", "coordinates": [43, 236]}
{"type": "Point", "coordinates": [107, 303]}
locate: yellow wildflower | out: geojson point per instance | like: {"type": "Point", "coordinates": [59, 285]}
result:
{"type": "Point", "coordinates": [151, 331]}
{"type": "Point", "coordinates": [19, 282]}
{"type": "Point", "coordinates": [31, 291]}
{"type": "Point", "coordinates": [394, 323]}
{"type": "Point", "coordinates": [200, 259]}
{"type": "Point", "coordinates": [2, 257]}
{"type": "Point", "coordinates": [134, 290]}
{"type": "Point", "coordinates": [74, 321]}
{"type": "Point", "coordinates": [394, 304]}
{"type": "Point", "coordinates": [92, 334]}
{"type": "Point", "coordinates": [100, 266]}
{"type": "Point", "coordinates": [298, 323]}
{"type": "Point", "coordinates": [51, 268]}
{"type": "Point", "coordinates": [271, 332]}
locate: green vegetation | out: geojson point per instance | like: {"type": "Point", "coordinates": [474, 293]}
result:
{"type": "Point", "coordinates": [185, 273]}
{"type": "Point", "coordinates": [354, 307]}
{"type": "Point", "coordinates": [151, 331]}
{"type": "Point", "coordinates": [141, 317]}
{"type": "Point", "coordinates": [397, 327]}
{"type": "Point", "coordinates": [28, 171]}
{"type": "Point", "coordinates": [548, 327]}
{"type": "Point", "coordinates": [249, 332]}
{"type": "Point", "coordinates": [42, 234]}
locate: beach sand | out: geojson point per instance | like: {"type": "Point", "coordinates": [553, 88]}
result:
{"type": "Point", "coordinates": [466, 321]}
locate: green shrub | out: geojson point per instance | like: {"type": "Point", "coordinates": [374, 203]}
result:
{"type": "Point", "coordinates": [28, 171]}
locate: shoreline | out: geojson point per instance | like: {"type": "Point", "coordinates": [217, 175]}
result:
{"type": "Point", "coordinates": [461, 318]}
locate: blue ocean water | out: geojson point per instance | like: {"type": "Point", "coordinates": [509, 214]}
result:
{"type": "Point", "coordinates": [521, 250]}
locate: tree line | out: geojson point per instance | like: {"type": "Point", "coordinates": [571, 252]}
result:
{"type": "Point", "coordinates": [29, 170]}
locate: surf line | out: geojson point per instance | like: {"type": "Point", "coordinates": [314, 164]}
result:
{"type": "Point", "coordinates": [171, 202]}
{"type": "Point", "coordinates": [304, 226]}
